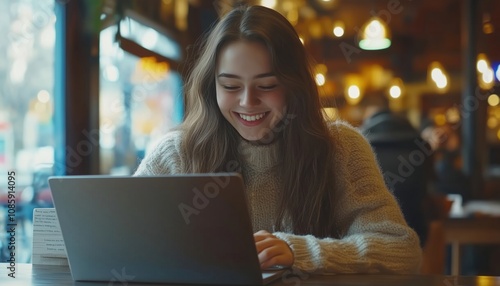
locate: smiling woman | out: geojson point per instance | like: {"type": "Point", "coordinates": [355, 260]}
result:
{"type": "Point", "coordinates": [316, 197]}
{"type": "Point", "coordinates": [248, 94]}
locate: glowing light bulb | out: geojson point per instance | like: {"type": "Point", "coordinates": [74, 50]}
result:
{"type": "Point", "coordinates": [482, 66]}
{"type": "Point", "coordinates": [493, 100]}
{"type": "Point", "coordinates": [353, 92]}
{"type": "Point", "coordinates": [320, 79]}
{"type": "Point", "coordinates": [338, 29]}
{"type": "Point", "coordinates": [395, 91]}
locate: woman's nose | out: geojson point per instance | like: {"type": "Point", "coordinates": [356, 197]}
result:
{"type": "Point", "coordinates": [249, 98]}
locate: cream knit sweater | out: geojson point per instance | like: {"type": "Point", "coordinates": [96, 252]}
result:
{"type": "Point", "coordinates": [374, 235]}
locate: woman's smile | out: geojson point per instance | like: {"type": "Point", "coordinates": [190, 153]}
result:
{"type": "Point", "coordinates": [251, 119]}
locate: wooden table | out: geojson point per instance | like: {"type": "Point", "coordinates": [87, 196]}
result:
{"type": "Point", "coordinates": [469, 230]}
{"type": "Point", "coordinates": [27, 275]}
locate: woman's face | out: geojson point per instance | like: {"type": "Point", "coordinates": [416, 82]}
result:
{"type": "Point", "coordinates": [249, 94]}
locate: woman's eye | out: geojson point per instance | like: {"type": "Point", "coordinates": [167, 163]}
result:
{"type": "Point", "coordinates": [228, 87]}
{"type": "Point", "coordinates": [268, 87]}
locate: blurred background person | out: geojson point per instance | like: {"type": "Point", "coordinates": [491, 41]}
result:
{"type": "Point", "coordinates": [403, 157]}
{"type": "Point", "coordinates": [446, 146]}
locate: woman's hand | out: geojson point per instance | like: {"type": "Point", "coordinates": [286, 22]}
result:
{"type": "Point", "coordinates": [272, 251]}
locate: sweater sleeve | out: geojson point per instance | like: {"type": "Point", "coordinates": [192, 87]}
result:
{"type": "Point", "coordinates": [164, 158]}
{"type": "Point", "coordinates": [375, 237]}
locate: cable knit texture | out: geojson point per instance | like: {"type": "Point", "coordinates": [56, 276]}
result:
{"type": "Point", "coordinates": [374, 237]}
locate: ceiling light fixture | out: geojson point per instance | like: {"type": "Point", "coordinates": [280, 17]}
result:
{"type": "Point", "coordinates": [374, 35]}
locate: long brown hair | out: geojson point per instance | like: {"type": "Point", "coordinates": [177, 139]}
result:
{"type": "Point", "coordinates": [210, 142]}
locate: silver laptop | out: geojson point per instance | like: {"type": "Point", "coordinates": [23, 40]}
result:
{"type": "Point", "coordinates": [171, 229]}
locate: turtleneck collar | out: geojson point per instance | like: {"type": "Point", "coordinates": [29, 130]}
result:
{"type": "Point", "coordinates": [259, 157]}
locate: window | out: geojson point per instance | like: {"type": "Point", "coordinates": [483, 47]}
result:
{"type": "Point", "coordinates": [140, 98]}
{"type": "Point", "coordinates": [26, 111]}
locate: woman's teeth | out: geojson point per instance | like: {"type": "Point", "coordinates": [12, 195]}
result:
{"type": "Point", "coordinates": [252, 117]}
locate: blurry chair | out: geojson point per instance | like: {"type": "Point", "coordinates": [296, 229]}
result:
{"type": "Point", "coordinates": [433, 255]}
{"type": "Point", "coordinates": [434, 250]}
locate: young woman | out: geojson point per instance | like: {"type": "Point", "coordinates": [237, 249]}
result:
{"type": "Point", "coordinates": [316, 196]}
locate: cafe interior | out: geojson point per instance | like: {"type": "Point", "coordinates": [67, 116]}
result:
{"type": "Point", "coordinates": [436, 61]}
{"type": "Point", "coordinates": [119, 67]}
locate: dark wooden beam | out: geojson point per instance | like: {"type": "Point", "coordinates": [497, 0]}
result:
{"type": "Point", "coordinates": [473, 107]}
{"type": "Point", "coordinates": [76, 91]}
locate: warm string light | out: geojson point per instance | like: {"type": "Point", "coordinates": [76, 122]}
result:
{"type": "Point", "coordinates": [353, 95]}
{"type": "Point", "coordinates": [396, 88]}
{"type": "Point", "coordinates": [492, 122]}
{"type": "Point", "coordinates": [320, 76]}
{"type": "Point", "coordinates": [493, 100]}
{"type": "Point", "coordinates": [320, 79]}
{"type": "Point", "coordinates": [488, 27]}
{"type": "Point", "coordinates": [338, 29]}
{"type": "Point", "coordinates": [485, 73]}
{"type": "Point", "coordinates": [376, 35]}
{"type": "Point", "coordinates": [438, 76]}
{"type": "Point", "coordinates": [353, 91]}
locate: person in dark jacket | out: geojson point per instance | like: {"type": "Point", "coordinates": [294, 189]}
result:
{"type": "Point", "coordinates": [403, 156]}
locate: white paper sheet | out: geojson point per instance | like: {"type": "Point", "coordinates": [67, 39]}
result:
{"type": "Point", "coordinates": [48, 243]}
